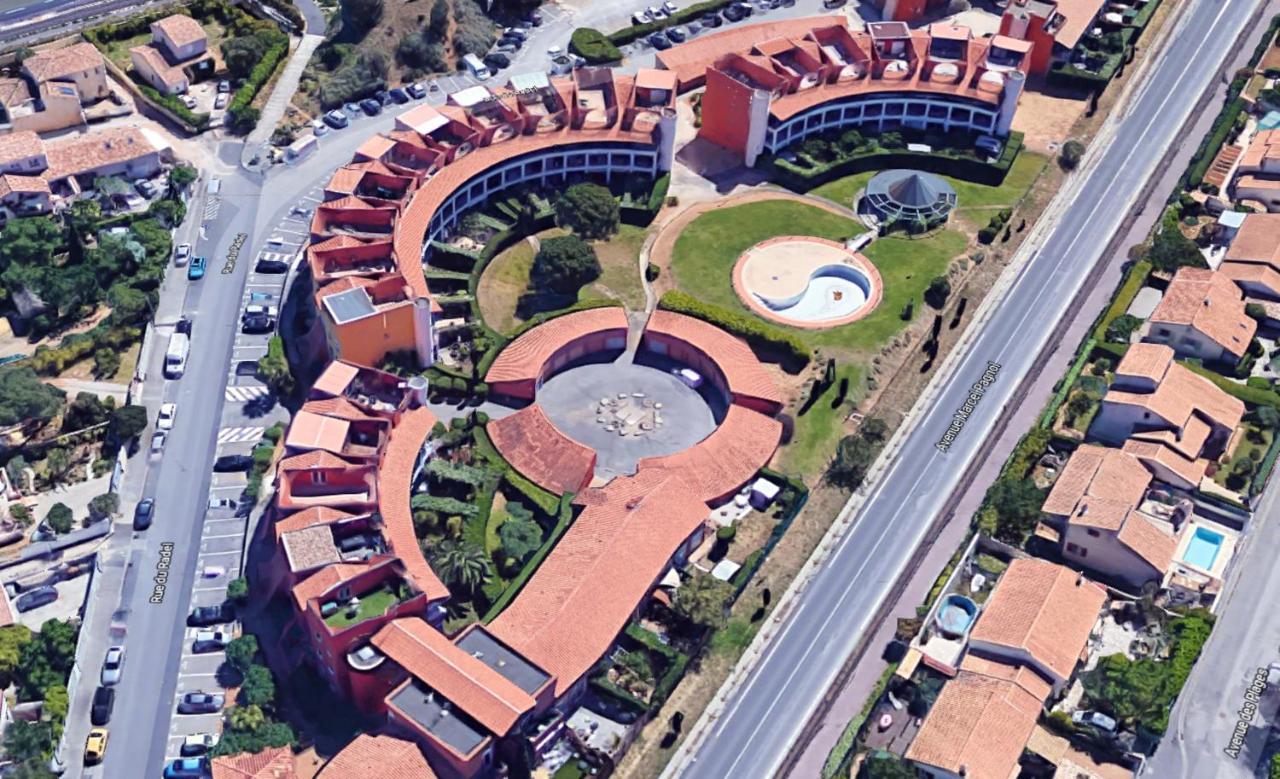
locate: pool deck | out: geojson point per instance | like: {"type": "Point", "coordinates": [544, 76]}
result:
{"type": "Point", "coordinates": [783, 267]}
{"type": "Point", "coordinates": [1226, 550]}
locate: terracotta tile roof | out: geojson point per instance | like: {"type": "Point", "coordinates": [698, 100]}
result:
{"type": "Point", "coordinates": [271, 763]}
{"type": "Point", "coordinates": [1264, 147]}
{"type": "Point", "coordinates": [1154, 454]}
{"type": "Point", "coordinates": [323, 581]}
{"type": "Point", "coordinates": [14, 92]}
{"type": "Point", "coordinates": [524, 358]}
{"type": "Point", "coordinates": [1045, 609]}
{"type": "Point", "coordinates": [535, 447]}
{"type": "Point", "coordinates": [19, 146]}
{"type": "Point", "coordinates": [1264, 275]}
{"type": "Point", "coordinates": [1024, 676]}
{"type": "Point", "coordinates": [1223, 163]}
{"type": "Point", "coordinates": [977, 727]}
{"type": "Point", "coordinates": [1257, 241]}
{"type": "Point", "coordinates": [315, 459]}
{"type": "Point", "coordinates": [652, 78]}
{"type": "Point", "coordinates": [59, 63]}
{"type": "Point", "coordinates": [1210, 303]}
{"type": "Point", "coordinates": [1180, 394]}
{"type": "Point", "coordinates": [82, 154]}
{"type": "Point", "coordinates": [338, 408]}
{"type": "Point", "coordinates": [180, 29]}
{"type": "Point", "coordinates": [309, 430]}
{"type": "Point", "coordinates": [1189, 441]}
{"type": "Point", "coordinates": [309, 548]}
{"type": "Point", "coordinates": [22, 184]}
{"type": "Point", "coordinates": [375, 147]}
{"type": "Point", "coordinates": [743, 373]}
{"type": "Point", "coordinates": [170, 75]}
{"type": "Point", "coordinates": [311, 517]}
{"type": "Point", "coordinates": [395, 479]}
{"type": "Point", "coordinates": [475, 688]}
{"type": "Point", "coordinates": [1146, 361]}
{"type": "Point", "coordinates": [1256, 182]}
{"type": "Point", "coordinates": [1093, 478]}
{"type": "Point", "coordinates": [721, 463]}
{"type": "Point", "coordinates": [380, 757]}
{"type": "Point", "coordinates": [1148, 541]}
{"type": "Point", "coordinates": [603, 568]}
{"type": "Point", "coordinates": [1079, 14]}
{"type": "Point", "coordinates": [691, 60]}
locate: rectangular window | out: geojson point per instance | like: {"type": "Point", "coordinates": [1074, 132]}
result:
{"type": "Point", "coordinates": [1093, 533]}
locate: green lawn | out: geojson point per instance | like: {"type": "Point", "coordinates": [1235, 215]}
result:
{"type": "Point", "coordinates": [373, 604]}
{"type": "Point", "coordinates": [706, 251]}
{"type": "Point", "coordinates": [968, 194]}
{"type": "Point", "coordinates": [811, 446]}
{"type": "Point", "coordinates": [619, 263]}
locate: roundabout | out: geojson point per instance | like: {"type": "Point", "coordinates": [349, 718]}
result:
{"type": "Point", "coordinates": [806, 282]}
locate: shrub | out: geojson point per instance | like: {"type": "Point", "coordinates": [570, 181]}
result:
{"type": "Point", "coordinates": [760, 335]}
{"type": "Point", "coordinates": [938, 291]}
{"type": "Point", "coordinates": [1071, 154]}
{"type": "Point", "coordinates": [1122, 328]}
{"type": "Point", "coordinates": [564, 264]}
{"type": "Point", "coordinates": [473, 32]}
{"type": "Point", "coordinates": [59, 518]}
{"type": "Point", "coordinates": [590, 210]}
{"type": "Point", "coordinates": [908, 311]}
{"type": "Point", "coordinates": [651, 272]}
{"type": "Point", "coordinates": [240, 115]}
{"type": "Point", "coordinates": [593, 46]}
{"type": "Point", "coordinates": [238, 590]}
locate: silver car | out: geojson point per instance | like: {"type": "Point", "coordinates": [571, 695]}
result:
{"type": "Point", "coordinates": [113, 665]}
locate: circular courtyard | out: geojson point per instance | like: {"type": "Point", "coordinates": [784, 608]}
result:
{"type": "Point", "coordinates": [626, 411]}
{"type": "Point", "coordinates": [807, 282]}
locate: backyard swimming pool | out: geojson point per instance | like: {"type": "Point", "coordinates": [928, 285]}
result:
{"type": "Point", "coordinates": [806, 282]}
{"type": "Point", "coordinates": [1203, 548]}
{"type": "Point", "coordinates": [833, 292]}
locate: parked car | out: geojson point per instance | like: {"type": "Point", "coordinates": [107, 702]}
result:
{"type": "Point", "coordinates": [195, 270]}
{"type": "Point", "coordinates": [670, 7]}
{"type": "Point", "coordinates": [336, 119]}
{"type": "Point", "coordinates": [352, 109]}
{"type": "Point", "coordinates": [504, 48]}
{"type": "Point", "coordinates": [143, 513]}
{"type": "Point", "coordinates": [198, 744]}
{"type": "Point", "coordinates": [104, 700]}
{"type": "Point", "coordinates": [690, 377]}
{"type": "Point", "coordinates": [659, 41]}
{"type": "Point", "coordinates": [693, 28]}
{"type": "Point", "coordinates": [711, 20]}
{"type": "Point", "coordinates": [158, 439]}
{"type": "Point", "coordinates": [271, 262]}
{"type": "Point", "coordinates": [656, 13]}
{"type": "Point", "coordinates": [168, 414]}
{"type": "Point", "coordinates": [213, 572]}
{"type": "Point", "coordinates": [199, 702]}
{"type": "Point", "coordinates": [209, 641]}
{"type": "Point", "coordinates": [186, 768]}
{"type": "Point", "coordinates": [399, 95]}
{"type": "Point", "coordinates": [371, 107]}
{"type": "Point", "coordinates": [113, 665]}
{"type": "Point", "coordinates": [204, 616]}
{"type": "Point", "coordinates": [229, 463]}
{"type": "Point", "coordinates": [146, 187]}
{"type": "Point", "coordinates": [1095, 718]}
{"type": "Point", "coordinates": [220, 102]}
{"type": "Point", "coordinates": [188, 101]}
{"type": "Point", "coordinates": [641, 17]}
{"type": "Point", "coordinates": [677, 35]}
{"type": "Point", "coordinates": [497, 60]}
{"type": "Point", "coordinates": [417, 91]}
{"type": "Point", "coordinates": [182, 254]}
{"type": "Point", "coordinates": [511, 40]}
{"type": "Point", "coordinates": [517, 32]}
{"type": "Point", "coordinates": [535, 18]}
{"type": "Point", "coordinates": [224, 86]}
{"type": "Point", "coordinates": [95, 746]}
{"type": "Point", "coordinates": [319, 128]}
{"type": "Point", "coordinates": [184, 324]}
{"type": "Point", "coordinates": [833, 3]}
{"type": "Point", "coordinates": [40, 596]}
{"type": "Point", "coordinates": [986, 143]}
{"type": "Point", "coordinates": [554, 51]}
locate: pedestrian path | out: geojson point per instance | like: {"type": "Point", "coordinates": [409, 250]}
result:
{"type": "Point", "coordinates": [245, 394]}
{"type": "Point", "coordinates": [239, 435]}
{"type": "Point", "coordinates": [256, 144]}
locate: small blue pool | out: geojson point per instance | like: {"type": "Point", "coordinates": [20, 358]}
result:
{"type": "Point", "coordinates": [1269, 122]}
{"type": "Point", "coordinates": [956, 615]}
{"type": "Point", "coordinates": [1203, 548]}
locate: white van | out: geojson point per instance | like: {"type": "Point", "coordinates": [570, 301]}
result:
{"type": "Point", "coordinates": [175, 358]}
{"type": "Point", "coordinates": [475, 66]}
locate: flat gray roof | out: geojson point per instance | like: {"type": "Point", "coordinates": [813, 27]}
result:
{"type": "Point", "coordinates": [437, 716]}
{"type": "Point", "coordinates": [481, 645]}
{"type": "Point", "coordinates": [349, 306]}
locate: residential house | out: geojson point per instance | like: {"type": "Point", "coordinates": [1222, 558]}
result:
{"type": "Point", "coordinates": [69, 165]}
{"type": "Point", "coordinates": [1202, 316]}
{"type": "Point", "coordinates": [1257, 176]}
{"type": "Point", "coordinates": [1252, 259]}
{"type": "Point", "coordinates": [1052, 27]}
{"type": "Point", "coordinates": [270, 763]}
{"type": "Point", "coordinates": [377, 756]}
{"type": "Point", "coordinates": [79, 65]}
{"type": "Point", "coordinates": [1096, 505]}
{"type": "Point", "coordinates": [1155, 398]}
{"type": "Point", "coordinates": [176, 57]}
{"type": "Point", "coordinates": [1039, 615]}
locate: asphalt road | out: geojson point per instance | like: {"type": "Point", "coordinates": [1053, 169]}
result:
{"type": "Point", "coordinates": [766, 713]}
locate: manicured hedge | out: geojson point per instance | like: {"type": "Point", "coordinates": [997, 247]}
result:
{"type": "Point", "coordinates": [593, 46]}
{"type": "Point", "coordinates": [197, 120]}
{"type": "Point", "coordinates": [629, 34]}
{"type": "Point", "coordinates": [239, 110]}
{"type": "Point", "coordinates": [1059, 397]}
{"type": "Point", "coordinates": [564, 519]}
{"type": "Point", "coordinates": [802, 179]}
{"type": "Point", "coordinates": [760, 335]}
{"type": "Point", "coordinates": [1133, 281]}
{"type": "Point", "coordinates": [546, 502]}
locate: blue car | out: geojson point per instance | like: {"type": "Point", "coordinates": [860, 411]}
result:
{"type": "Point", "coordinates": [185, 768]}
{"type": "Point", "coordinates": [196, 269]}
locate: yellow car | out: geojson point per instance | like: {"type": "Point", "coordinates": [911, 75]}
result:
{"type": "Point", "coordinates": [95, 746]}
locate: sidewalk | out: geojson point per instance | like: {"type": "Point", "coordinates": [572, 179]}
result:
{"type": "Point", "coordinates": [860, 684]}
{"type": "Point", "coordinates": [255, 146]}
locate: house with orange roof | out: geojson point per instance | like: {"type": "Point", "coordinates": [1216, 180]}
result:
{"type": "Point", "coordinates": [176, 57]}
{"type": "Point", "coordinates": [1052, 27]}
{"type": "Point", "coordinates": [1252, 259]}
{"type": "Point", "coordinates": [1039, 615]}
{"type": "Point", "coordinates": [270, 763]}
{"type": "Point", "coordinates": [773, 93]}
{"type": "Point", "coordinates": [375, 391]}
{"type": "Point", "coordinates": [385, 757]}
{"type": "Point", "coordinates": [980, 723]}
{"type": "Point", "coordinates": [319, 478]}
{"type": "Point", "coordinates": [1201, 316]}
{"type": "Point", "coordinates": [1097, 505]}
{"type": "Point", "coordinates": [1152, 394]}
{"type": "Point", "coordinates": [79, 65]}
{"type": "Point", "coordinates": [338, 426]}
{"type": "Point", "coordinates": [69, 165]}
{"type": "Point", "coordinates": [1257, 175]}
{"type": "Point", "coordinates": [909, 10]}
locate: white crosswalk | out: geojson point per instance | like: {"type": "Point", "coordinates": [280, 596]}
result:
{"type": "Point", "coordinates": [245, 394]}
{"type": "Point", "coordinates": [236, 435]}
{"type": "Point", "coordinates": [211, 208]}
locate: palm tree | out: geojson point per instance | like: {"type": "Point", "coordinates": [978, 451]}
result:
{"type": "Point", "coordinates": [461, 564]}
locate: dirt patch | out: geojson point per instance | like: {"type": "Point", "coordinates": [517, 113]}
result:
{"type": "Point", "coordinates": [1047, 120]}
